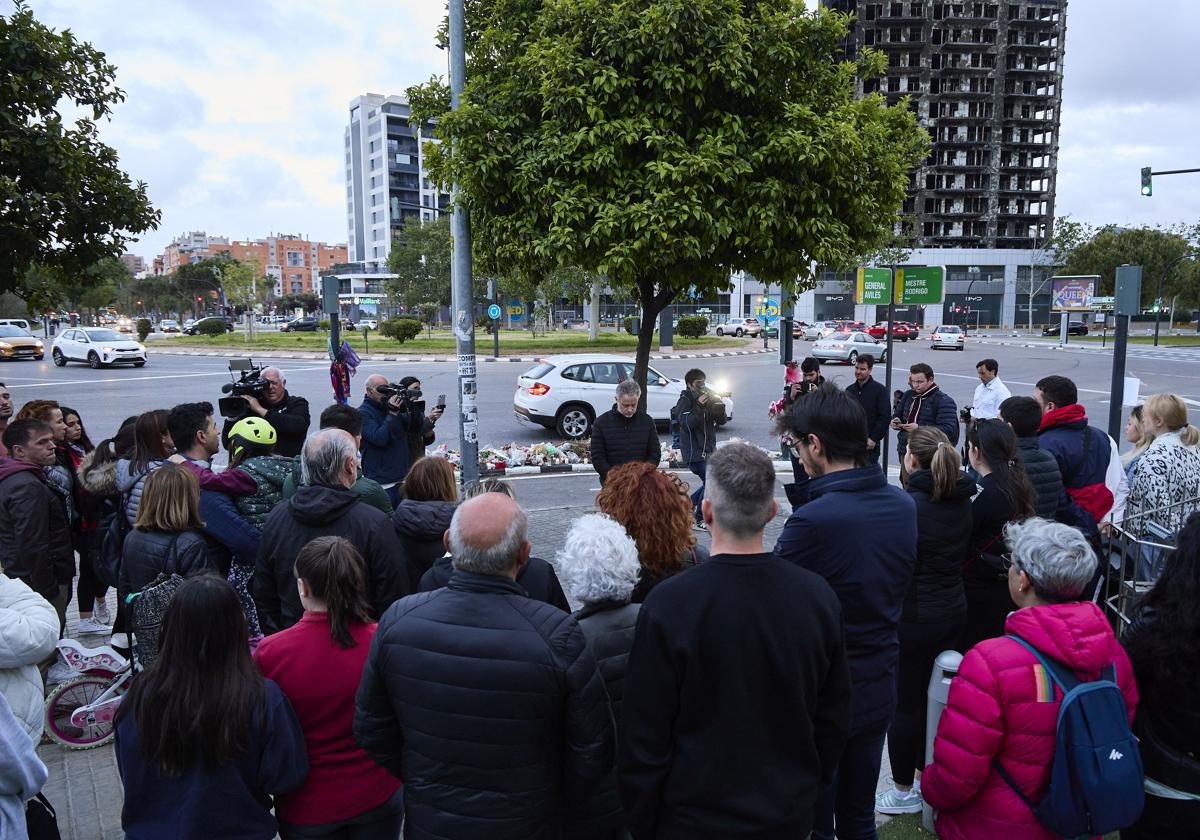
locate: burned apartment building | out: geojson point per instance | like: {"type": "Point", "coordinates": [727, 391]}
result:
{"type": "Point", "coordinates": [985, 79]}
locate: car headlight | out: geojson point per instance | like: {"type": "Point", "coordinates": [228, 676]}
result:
{"type": "Point", "coordinates": [39, 345]}
{"type": "Point", "coordinates": [107, 349]}
{"type": "Point", "coordinates": [4, 345]}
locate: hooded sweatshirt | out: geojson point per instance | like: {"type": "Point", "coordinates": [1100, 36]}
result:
{"type": "Point", "coordinates": [421, 527]}
{"type": "Point", "coordinates": [321, 511]}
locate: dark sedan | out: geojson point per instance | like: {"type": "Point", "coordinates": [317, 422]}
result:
{"type": "Point", "coordinates": [1073, 328]}
{"type": "Point", "coordinates": [194, 329]}
{"type": "Point", "coordinates": [306, 324]}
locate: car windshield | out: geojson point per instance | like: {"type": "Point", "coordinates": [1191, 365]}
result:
{"type": "Point", "coordinates": [13, 332]}
{"type": "Point", "coordinates": [948, 330]}
{"type": "Point", "coordinates": [105, 335]}
{"type": "Point", "coordinates": [838, 336]}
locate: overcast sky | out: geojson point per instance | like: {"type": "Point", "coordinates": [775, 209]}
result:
{"type": "Point", "coordinates": [236, 108]}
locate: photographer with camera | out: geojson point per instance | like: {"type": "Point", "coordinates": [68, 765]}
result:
{"type": "Point", "coordinates": [266, 396]}
{"type": "Point", "coordinates": [698, 412]}
{"type": "Point", "coordinates": [390, 415]}
{"type": "Point", "coordinates": [419, 438]}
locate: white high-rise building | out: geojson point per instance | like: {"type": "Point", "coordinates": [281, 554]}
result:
{"type": "Point", "coordinates": [387, 185]}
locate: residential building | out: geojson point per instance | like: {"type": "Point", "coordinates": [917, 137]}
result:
{"type": "Point", "coordinates": [293, 261]}
{"type": "Point", "coordinates": [135, 264]}
{"type": "Point", "coordinates": [387, 184]}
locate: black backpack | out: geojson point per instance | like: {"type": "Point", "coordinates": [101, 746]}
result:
{"type": "Point", "coordinates": [112, 543]}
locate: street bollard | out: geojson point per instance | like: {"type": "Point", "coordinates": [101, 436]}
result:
{"type": "Point", "coordinates": [945, 667]}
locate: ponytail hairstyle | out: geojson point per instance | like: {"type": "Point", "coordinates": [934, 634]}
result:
{"type": "Point", "coordinates": [1173, 412]}
{"type": "Point", "coordinates": [997, 444]}
{"type": "Point", "coordinates": [333, 570]}
{"type": "Point", "coordinates": [934, 452]}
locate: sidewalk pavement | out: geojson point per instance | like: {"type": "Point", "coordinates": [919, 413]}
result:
{"type": "Point", "coordinates": [85, 788]}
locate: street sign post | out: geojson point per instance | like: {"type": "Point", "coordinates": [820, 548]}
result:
{"type": "Point", "coordinates": [1128, 299]}
{"type": "Point", "coordinates": [494, 311]}
{"type": "Point", "coordinates": [920, 285]}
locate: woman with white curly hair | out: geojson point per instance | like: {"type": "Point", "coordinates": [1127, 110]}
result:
{"type": "Point", "coordinates": [598, 566]}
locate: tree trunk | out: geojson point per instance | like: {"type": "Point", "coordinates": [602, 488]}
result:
{"type": "Point", "coordinates": [594, 312]}
{"type": "Point", "coordinates": [652, 305]}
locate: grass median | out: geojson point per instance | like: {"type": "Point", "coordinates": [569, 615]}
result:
{"type": "Point", "coordinates": [512, 342]}
{"type": "Point", "coordinates": [1163, 340]}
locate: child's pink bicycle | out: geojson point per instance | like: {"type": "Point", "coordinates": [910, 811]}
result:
{"type": "Point", "coordinates": [80, 712]}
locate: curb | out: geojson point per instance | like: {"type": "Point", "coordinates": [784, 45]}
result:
{"type": "Point", "coordinates": [480, 359]}
{"type": "Point", "coordinates": [562, 469]}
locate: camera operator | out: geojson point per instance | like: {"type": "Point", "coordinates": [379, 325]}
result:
{"type": "Point", "coordinates": [286, 413]}
{"type": "Point", "coordinates": [698, 411]}
{"type": "Point", "coordinates": [389, 417]}
{"type": "Point", "coordinates": [420, 438]}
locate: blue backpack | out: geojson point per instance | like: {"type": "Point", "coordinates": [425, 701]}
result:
{"type": "Point", "coordinates": [1096, 778]}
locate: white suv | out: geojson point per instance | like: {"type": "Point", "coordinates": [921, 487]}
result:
{"type": "Point", "coordinates": [567, 393]}
{"type": "Point", "coordinates": [740, 327]}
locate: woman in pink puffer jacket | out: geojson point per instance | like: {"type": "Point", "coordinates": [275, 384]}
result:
{"type": "Point", "coordinates": [1003, 707]}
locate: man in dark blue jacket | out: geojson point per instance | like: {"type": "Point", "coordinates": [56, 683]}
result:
{"type": "Point", "coordinates": [870, 574]}
{"type": "Point", "coordinates": [925, 404]}
{"type": "Point", "coordinates": [697, 412]}
{"type": "Point", "coordinates": [385, 429]}
{"type": "Point", "coordinates": [487, 704]}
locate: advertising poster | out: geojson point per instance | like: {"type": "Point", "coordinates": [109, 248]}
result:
{"type": "Point", "coordinates": [1072, 294]}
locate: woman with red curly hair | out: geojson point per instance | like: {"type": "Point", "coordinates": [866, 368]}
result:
{"type": "Point", "coordinates": [656, 510]}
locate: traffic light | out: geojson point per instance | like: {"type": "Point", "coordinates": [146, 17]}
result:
{"type": "Point", "coordinates": [1147, 181]}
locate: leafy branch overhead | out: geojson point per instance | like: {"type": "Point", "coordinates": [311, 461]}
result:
{"type": "Point", "coordinates": [667, 143]}
{"type": "Point", "coordinates": [65, 204]}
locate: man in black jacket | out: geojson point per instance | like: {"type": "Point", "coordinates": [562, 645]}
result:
{"type": "Point", "coordinates": [1025, 416]}
{"type": "Point", "coordinates": [325, 506]}
{"type": "Point", "coordinates": [924, 404]}
{"type": "Point", "coordinates": [35, 542]}
{"type": "Point", "coordinates": [873, 398]}
{"type": "Point", "coordinates": [488, 705]}
{"type": "Point", "coordinates": [698, 412]}
{"type": "Point", "coordinates": [624, 434]}
{"type": "Point", "coordinates": [737, 691]}
{"type": "Point", "coordinates": [287, 414]}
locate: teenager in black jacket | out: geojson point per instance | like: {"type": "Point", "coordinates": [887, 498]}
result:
{"type": "Point", "coordinates": [1025, 415]}
{"type": "Point", "coordinates": [873, 397]}
{"type": "Point", "coordinates": [935, 607]}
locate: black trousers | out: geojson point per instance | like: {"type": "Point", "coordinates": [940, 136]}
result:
{"type": "Point", "coordinates": [1166, 819]}
{"type": "Point", "coordinates": [920, 645]}
{"type": "Point", "coordinates": [988, 606]}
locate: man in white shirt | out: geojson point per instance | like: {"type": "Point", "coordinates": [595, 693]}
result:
{"type": "Point", "coordinates": [990, 391]}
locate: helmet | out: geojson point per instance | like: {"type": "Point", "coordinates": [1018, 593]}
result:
{"type": "Point", "coordinates": [254, 430]}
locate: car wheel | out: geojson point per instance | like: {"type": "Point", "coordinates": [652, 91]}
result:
{"type": "Point", "coordinates": [719, 333]}
{"type": "Point", "coordinates": [738, 332]}
{"type": "Point", "coordinates": [139, 364]}
{"type": "Point", "coordinates": [93, 361]}
{"type": "Point", "coordinates": [904, 340]}
{"type": "Point", "coordinates": [574, 422]}
{"type": "Point", "coordinates": [59, 359]}
{"type": "Point", "coordinates": [852, 359]}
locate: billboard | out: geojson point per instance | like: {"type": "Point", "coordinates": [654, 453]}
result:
{"type": "Point", "coordinates": [1072, 294]}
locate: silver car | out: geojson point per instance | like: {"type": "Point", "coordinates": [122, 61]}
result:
{"type": "Point", "coordinates": [847, 347]}
{"type": "Point", "coordinates": [817, 331]}
{"type": "Point", "coordinates": [948, 337]}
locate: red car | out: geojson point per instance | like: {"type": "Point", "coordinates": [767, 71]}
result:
{"type": "Point", "coordinates": [900, 332]}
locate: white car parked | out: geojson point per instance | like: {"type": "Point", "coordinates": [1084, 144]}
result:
{"type": "Point", "coordinates": [847, 347]}
{"type": "Point", "coordinates": [98, 346]}
{"type": "Point", "coordinates": [739, 327]}
{"type": "Point", "coordinates": [948, 337]}
{"type": "Point", "coordinates": [567, 393]}
{"type": "Point", "coordinates": [817, 331]}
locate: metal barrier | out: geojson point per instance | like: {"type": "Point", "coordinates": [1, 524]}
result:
{"type": "Point", "coordinates": [1135, 553]}
{"type": "Point", "coordinates": [945, 668]}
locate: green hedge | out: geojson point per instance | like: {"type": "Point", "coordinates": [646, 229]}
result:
{"type": "Point", "coordinates": [401, 329]}
{"type": "Point", "coordinates": [692, 326]}
{"type": "Point", "coordinates": [213, 327]}
{"type": "Point", "coordinates": [631, 324]}
{"type": "Point", "coordinates": [144, 328]}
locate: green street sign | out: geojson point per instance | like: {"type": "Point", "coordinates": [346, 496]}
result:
{"type": "Point", "coordinates": [920, 285]}
{"type": "Point", "coordinates": [874, 286]}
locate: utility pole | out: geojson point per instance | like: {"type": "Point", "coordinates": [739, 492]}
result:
{"type": "Point", "coordinates": [463, 304]}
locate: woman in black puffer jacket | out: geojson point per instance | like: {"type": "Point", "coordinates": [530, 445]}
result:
{"type": "Point", "coordinates": [165, 536]}
{"type": "Point", "coordinates": [935, 607]}
{"type": "Point", "coordinates": [424, 514]}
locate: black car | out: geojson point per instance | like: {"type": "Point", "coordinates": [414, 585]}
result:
{"type": "Point", "coordinates": [306, 324]}
{"type": "Point", "coordinates": [194, 329]}
{"type": "Point", "coordinates": [1073, 328]}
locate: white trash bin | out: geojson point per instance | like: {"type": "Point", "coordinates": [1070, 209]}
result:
{"type": "Point", "coordinates": [945, 668]}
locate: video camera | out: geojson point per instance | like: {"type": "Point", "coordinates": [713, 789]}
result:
{"type": "Point", "coordinates": [248, 384]}
{"type": "Point", "coordinates": [964, 414]}
{"type": "Point", "coordinates": [409, 398]}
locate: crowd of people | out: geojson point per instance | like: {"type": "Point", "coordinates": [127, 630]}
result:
{"type": "Point", "coordinates": [354, 648]}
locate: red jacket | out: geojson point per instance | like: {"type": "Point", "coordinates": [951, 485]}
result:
{"type": "Point", "coordinates": [320, 679]}
{"type": "Point", "coordinates": [999, 710]}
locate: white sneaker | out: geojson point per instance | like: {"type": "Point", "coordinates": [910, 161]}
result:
{"type": "Point", "coordinates": [60, 672]}
{"type": "Point", "coordinates": [894, 801]}
{"type": "Point", "coordinates": [89, 626]}
{"type": "Point", "coordinates": [101, 613]}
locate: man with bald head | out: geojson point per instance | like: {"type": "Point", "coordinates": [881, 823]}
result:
{"type": "Point", "coordinates": [325, 506]}
{"type": "Point", "coordinates": [487, 704]}
{"type": "Point", "coordinates": [387, 421]}
{"type": "Point", "coordinates": [287, 414]}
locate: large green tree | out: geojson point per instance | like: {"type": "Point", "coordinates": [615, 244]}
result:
{"type": "Point", "coordinates": [1092, 250]}
{"type": "Point", "coordinates": [65, 203]}
{"type": "Point", "coordinates": [420, 258]}
{"type": "Point", "coordinates": [666, 143]}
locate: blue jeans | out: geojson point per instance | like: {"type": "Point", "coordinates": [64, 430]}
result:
{"type": "Point", "coordinates": [698, 467]}
{"type": "Point", "coordinates": [851, 795]}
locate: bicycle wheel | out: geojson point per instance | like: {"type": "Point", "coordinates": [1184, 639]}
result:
{"type": "Point", "coordinates": [64, 699]}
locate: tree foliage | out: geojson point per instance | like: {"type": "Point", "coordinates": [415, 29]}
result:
{"type": "Point", "coordinates": [420, 258]}
{"type": "Point", "coordinates": [65, 204]}
{"type": "Point", "coordinates": [1099, 250]}
{"type": "Point", "coordinates": [667, 143]}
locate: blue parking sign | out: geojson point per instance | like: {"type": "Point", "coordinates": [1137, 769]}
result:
{"type": "Point", "coordinates": [494, 311]}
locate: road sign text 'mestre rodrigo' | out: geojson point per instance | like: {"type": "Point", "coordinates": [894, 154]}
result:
{"type": "Point", "coordinates": [920, 285]}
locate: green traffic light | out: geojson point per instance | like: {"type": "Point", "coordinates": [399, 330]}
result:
{"type": "Point", "coordinates": [1147, 181]}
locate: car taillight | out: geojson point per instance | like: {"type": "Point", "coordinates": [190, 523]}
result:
{"type": "Point", "coordinates": [962, 338]}
{"type": "Point", "coordinates": [539, 389]}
